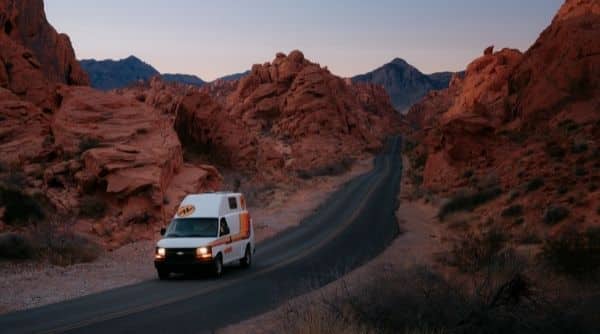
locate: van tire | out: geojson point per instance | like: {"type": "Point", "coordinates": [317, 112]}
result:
{"type": "Point", "coordinates": [218, 266]}
{"type": "Point", "coordinates": [163, 275]}
{"type": "Point", "coordinates": [246, 261]}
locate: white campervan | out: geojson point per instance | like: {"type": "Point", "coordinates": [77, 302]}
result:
{"type": "Point", "coordinates": [208, 231]}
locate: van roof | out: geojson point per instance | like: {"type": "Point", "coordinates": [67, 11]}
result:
{"type": "Point", "coordinates": [208, 205]}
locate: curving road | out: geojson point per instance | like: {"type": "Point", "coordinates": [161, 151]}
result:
{"type": "Point", "coordinates": [355, 224]}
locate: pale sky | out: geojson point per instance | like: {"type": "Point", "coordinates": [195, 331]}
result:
{"type": "Point", "coordinates": [215, 38]}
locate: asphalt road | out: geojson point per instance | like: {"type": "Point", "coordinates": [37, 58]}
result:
{"type": "Point", "coordinates": [354, 225]}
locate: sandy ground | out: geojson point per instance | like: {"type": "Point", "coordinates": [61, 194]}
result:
{"type": "Point", "coordinates": [32, 284]}
{"type": "Point", "coordinates": [417, 245]}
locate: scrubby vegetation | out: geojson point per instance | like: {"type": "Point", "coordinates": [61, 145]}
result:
{"type": "Point", "coordinates": [513, 211]}
{"type": "Point", "coordinates": [92, 207]}
{"type": "Point", "coordinates": [421, 300]}
{"type": "Point", "coordinates": [20, 206]}
{"type": "Point", "coordinates": [68, 248]}
{"type": "Point", "coordinates": [14, 246]}
{"type": "Point", "coordinates": [576, 254]}
{"type": "Point", "coordinates": [336, 168]}
{"type": "Point", "coordinates": [467, 200]}
{"type": "Point", "coordinates": [88, 143]}
{"type": "Point", "coordinates": [555, 214]}
{"type": "Point", "coordinates": [475, 252]}
{"type": "Point", "coordinates": [534, 184]}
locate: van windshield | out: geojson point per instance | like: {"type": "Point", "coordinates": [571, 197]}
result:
{"type": "Point", "coordinates": [192, 228]}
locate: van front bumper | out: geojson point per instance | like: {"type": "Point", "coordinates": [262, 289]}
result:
{"type": "Point", "coordinates": [183, 266]}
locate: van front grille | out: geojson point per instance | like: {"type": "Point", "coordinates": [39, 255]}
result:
{"type": "Point", "coordinates": [180, 255]}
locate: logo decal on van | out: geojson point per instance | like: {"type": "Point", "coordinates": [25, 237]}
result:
{"type": "Point", "coordinates": [186, 210]}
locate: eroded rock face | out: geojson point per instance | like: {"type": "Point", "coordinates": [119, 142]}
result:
{"type": "Point", "coordinates": [286, 118]}
{"type": "Point", "coordinates": [133, 148]}
{"type": "Point", "coordinates": [75, 147]}
{"type": "Point", "coordinates": [24, 129]}
{"type": "Point", "coordinates": [24, 21]}
{"type": "Point", "coordinates": [520, 117]}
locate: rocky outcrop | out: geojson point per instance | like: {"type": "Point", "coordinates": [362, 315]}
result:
{"type": "Point", "coordinates": [523, 117]}
{"type": "Point", "coordinates": [286, 118]}
{"type": "Point", "coordinates": [24, 21]}
{"type": "Point", "coordinates": [24, 129]}
{"type": "Point", "coordinates": [78, 152]}
{"type": "Point", "coordinates": [292, 115]}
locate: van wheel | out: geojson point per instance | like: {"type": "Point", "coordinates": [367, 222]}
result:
{"type": "Point", "coordinates": [246, 261]}
{"type": "Point", "coordinates": [163, 275]}
{"type": "Point", "coordinates": [218, 266]}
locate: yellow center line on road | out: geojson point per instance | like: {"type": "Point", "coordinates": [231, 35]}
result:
{"type": "Point", "coordinates": [337, 232]}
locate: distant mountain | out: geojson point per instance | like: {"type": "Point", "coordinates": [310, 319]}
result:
{"type": "Point", "coordinates": [405, 84]}
{"type": "Point", "coordinates": [235, 76]}
{"type": "Point", "coordinates": [184, 79]}
{"type": "Point", "coordinates": [112, 74]}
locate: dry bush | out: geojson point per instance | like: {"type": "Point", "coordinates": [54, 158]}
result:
{"type": "Point", "coordinates": [555, 214]}
{"type": "Point", "coordinates": [334, 168]}
{"type": "Point", "coordinates": [575, 254]}
{"type": "Point", "coordinates": [69, 249]}
{"type": "Point", "coordinates": [15, 246]}
{"type": "Point", "coordinates": [92, 207]}
{"type": "Point", "coordinates": [467, 200]}
{"type": "Point", "coordinates": [475, 252]}
{"type": "Point", "coordinates": [55, 241]}
{"type": "Point", "coordinates": [419, 300]}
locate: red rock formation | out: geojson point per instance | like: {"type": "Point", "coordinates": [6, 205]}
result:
{"type": "Point", "coordinates": [285, 118]}
{"type": "Point", "coordinates": [523, 116]}
{"type": "Point", "coordinates": [69, 142]}
{"type": "Point", "coordinates": [24, 21]}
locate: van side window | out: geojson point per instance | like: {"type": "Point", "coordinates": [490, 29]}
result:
{"type": "Point", "coordinates": [223, 227]}
{"type": "Point", "coordinates": [233, 203]}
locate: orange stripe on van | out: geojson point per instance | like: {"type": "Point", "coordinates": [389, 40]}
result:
{"type": "Point", "coordinates": [244, 232]}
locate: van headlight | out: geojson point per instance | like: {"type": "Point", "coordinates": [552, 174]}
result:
{"type": "Point", "coordinates": [160, 253]}
{"type": "Point", "coordinates": [203, 253]}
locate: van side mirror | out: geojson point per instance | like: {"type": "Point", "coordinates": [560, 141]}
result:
{"type": "Point", "coordinates": [163, 231]}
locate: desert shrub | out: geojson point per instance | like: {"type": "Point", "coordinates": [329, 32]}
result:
{"type": "Point", "coordinates": [335, 168]}
{"type": "Point", "coordinates": [579, 147]}
{"type": "Point", "coordinates": [555, 214]}
{"type": "Point", "coordinates": [580, 171]}
{"type": "Point", "coordinates": [569, 126]}
{"type": "Point", "coordinates": [513, 195]}
{"type": "Point", "coordinates": [530, 239]}
{"type": "Point", "coordinates": [574, 253]}
{"type": "Point", "coordinates": [519, 221]}
{"type": "Point", "coordinates": [20, 207]}
{"type": "Point", "coordinates": [475, 252]}
{"type": "Point", "coordinates": [554, 150]}
{"type": "Point", "coordinates": [513, 211]}
{"type": "Point", "coordinates": [92, 207]}
{"type": "Point", "coordinates": [15, 179]}
{"type": "Point", "coordinates": [534, 184]}
{"type": "Point", "coordinates": [88, 143]}
{"type": "Point", "coordinates": [14, 246]}
{"type": "Point", "coordinates": [420, 161]}
{"type": "Point", "coordinates": [419, 300]}
{"type": "Point", "coordinates": [68, 249]}
{"type": "Point", "coordinates": [468, 200]}
{"type": "Point", "coordinates": [562, 189]}
{"type": "Point", "coordinates": [409, 146]}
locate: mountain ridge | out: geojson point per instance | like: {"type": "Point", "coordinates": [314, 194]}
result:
{"type": "Point", "coordinates": [405, 84]}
